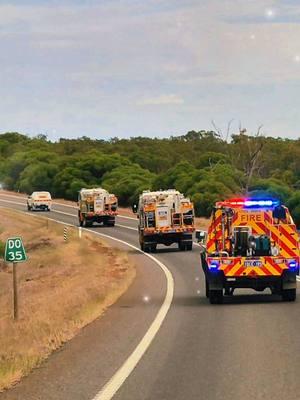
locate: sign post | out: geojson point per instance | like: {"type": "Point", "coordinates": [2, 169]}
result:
{"type": "Point", "coordinates": [15, 292]}
{"type": "Point", "coordinates": [15, 253]}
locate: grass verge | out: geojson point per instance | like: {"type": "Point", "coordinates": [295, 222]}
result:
{"type": "Point", "coordinates": [62, 287]}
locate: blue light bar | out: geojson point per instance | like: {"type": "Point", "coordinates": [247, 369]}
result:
{"type": "Point", "coordinates": [261, 203]}
{"type": "Point", "coordinates": [292, 264]}
{"type": "Point", "coordinates": [214, 264]}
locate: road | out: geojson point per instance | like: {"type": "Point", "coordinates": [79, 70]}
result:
{"type": "Point", "coordinates": [247, 348]}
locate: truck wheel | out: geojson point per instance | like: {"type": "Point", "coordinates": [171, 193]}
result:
{"type": "Point", "coordinates": [86, 223]}
{"type": "Point", "coordinates": [216, 296]}
{"type": "Point", "coordinates": [207, 288]}
{"type": "Point", "coordinates": [181, 246]}
{"type": "Point", "coordinates": [189, 246]}
{"type": "Point", "coordinates": [147, 248]}
{"type": "Point", "coordinates": [110, 223]}
{"type": "Point", "coordinates": [289, 295]}
{"type": "Point", "coordinates": [28, 207]}
{"type": "Point", "coordinates": [153, 248]}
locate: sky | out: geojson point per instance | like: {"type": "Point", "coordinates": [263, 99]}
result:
{"type": "Point", "coordinates": [107, 68]}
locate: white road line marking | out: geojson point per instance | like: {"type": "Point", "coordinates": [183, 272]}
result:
{"type": "Point", "coordinates": [14, 202]}
{"type": "Point", "coordinates": [74, 215]}
{"type": "Point", "coordinates": [114, 384]}
{"type": "Point", "coordinates": [127, 227]}
{"type": "Point", "coordinates": [117, 380]}
{"type": "Point", "coordinates": [61, 212]}
{"type": "Point", "coordinates": [11, 195]}
{"type": "Point", "coordinates": [59, 204]}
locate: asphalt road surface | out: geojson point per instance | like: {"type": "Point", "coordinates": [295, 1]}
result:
{"type": "Point", "coordinates": [247, 348]}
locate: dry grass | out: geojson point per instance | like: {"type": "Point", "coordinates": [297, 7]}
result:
{"type": "Point", "coordinates": [62, 287]}
{"type": "Point", "coordinates": [202, 223]}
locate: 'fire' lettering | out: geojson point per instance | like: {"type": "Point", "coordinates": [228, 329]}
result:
{"type": "Point", "coordinates": [251, 218]}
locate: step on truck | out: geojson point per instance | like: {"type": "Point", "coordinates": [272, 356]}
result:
{"type": "Point", "coordinates": [39, 201]}
{"type": "Point", "coordinates": [165, 217]}
{"type": "Point", "coordinates": [96, 205]}
{"type": "Point", "coordinates": [251, 243]}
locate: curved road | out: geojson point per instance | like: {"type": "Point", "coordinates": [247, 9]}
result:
{"type": "Point", "coordinates": [247, 348]}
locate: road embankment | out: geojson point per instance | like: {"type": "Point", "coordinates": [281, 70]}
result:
{"type": "Point", "coordinates": [63, 286]}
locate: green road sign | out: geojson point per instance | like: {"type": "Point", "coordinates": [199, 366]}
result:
{"type": "Point", "coordinates": [14, 250]}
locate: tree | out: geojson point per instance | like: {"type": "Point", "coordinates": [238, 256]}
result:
{"type": "Point", "coordinates": [38, 176]}
{"type": "Point", "coordinates": [294, 206]}
{"type": "Point", "coordinates": [127, 182]}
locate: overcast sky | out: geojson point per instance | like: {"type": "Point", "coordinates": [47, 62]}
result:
{"type": "Point", "coordinates": [105, 68]}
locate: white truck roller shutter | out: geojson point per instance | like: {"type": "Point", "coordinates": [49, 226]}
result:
{"type": "Point", "coordinates": [163, 217]}
{"type": "Point", "coordinates": [99, 204]}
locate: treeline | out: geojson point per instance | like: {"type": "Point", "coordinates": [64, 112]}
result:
{"type": "Point", "coordinates": [200, 164]}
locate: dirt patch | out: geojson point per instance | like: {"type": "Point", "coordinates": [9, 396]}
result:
{"type": "Point", "coordinates": [62, 287]}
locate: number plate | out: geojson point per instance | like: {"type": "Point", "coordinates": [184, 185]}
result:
{"type": "Point", "coordinates": [252, 263]}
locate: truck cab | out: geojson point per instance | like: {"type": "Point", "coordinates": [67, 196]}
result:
{"type": "Point", "coordinates": [251, 243]}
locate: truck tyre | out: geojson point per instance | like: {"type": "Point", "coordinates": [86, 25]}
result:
{"type": "Point", "coordinates": [216, 296]}
{"type": "Point", "coordinates": [147, 248]}
{"type": "Point", "coordinates": [181, 246]}
{"type": "Point", "coordinates": [110, 222]}
{"type": "Point", "coordinates": [86, 223]}
{"type": "Point", "coordinates": [289, 295]}
{"type": "Point", "coordinates": [28, 207]}
{"type": "Point", "coordinates": [153, 248]}
{"type": "Point", "coordinates": [189, 246]}
{"type": "Point", "coordinates": [207, 288]}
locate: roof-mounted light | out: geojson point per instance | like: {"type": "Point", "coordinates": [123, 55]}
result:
{"type": "Point", "coordinates": [248, 203]}
{"type": "Point", "coordinates": [263, 203]}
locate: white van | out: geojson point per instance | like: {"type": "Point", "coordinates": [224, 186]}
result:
{"type": "Point", "coordinates": [39, 201]}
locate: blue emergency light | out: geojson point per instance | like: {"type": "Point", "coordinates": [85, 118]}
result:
{"type": "Point", "coordinates": [293, 264]}
{"type": "Point", "coordinates": [249, 203]}
{"type": "Point", "coordinates": [214, 264]}
{"type": "Point", "coordinates": [263, 203]}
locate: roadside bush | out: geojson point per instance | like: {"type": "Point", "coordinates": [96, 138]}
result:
{"type": "Point", "coordinates": [294, 207]}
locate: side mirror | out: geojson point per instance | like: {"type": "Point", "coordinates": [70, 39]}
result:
{"type": "Point", "coordinates": [134, 208]}
{"type": "Point", "coordinates": [201, 236]}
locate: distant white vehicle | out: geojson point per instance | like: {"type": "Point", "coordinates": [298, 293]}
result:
{"type": "Point", "coordinates": [39, 201]}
